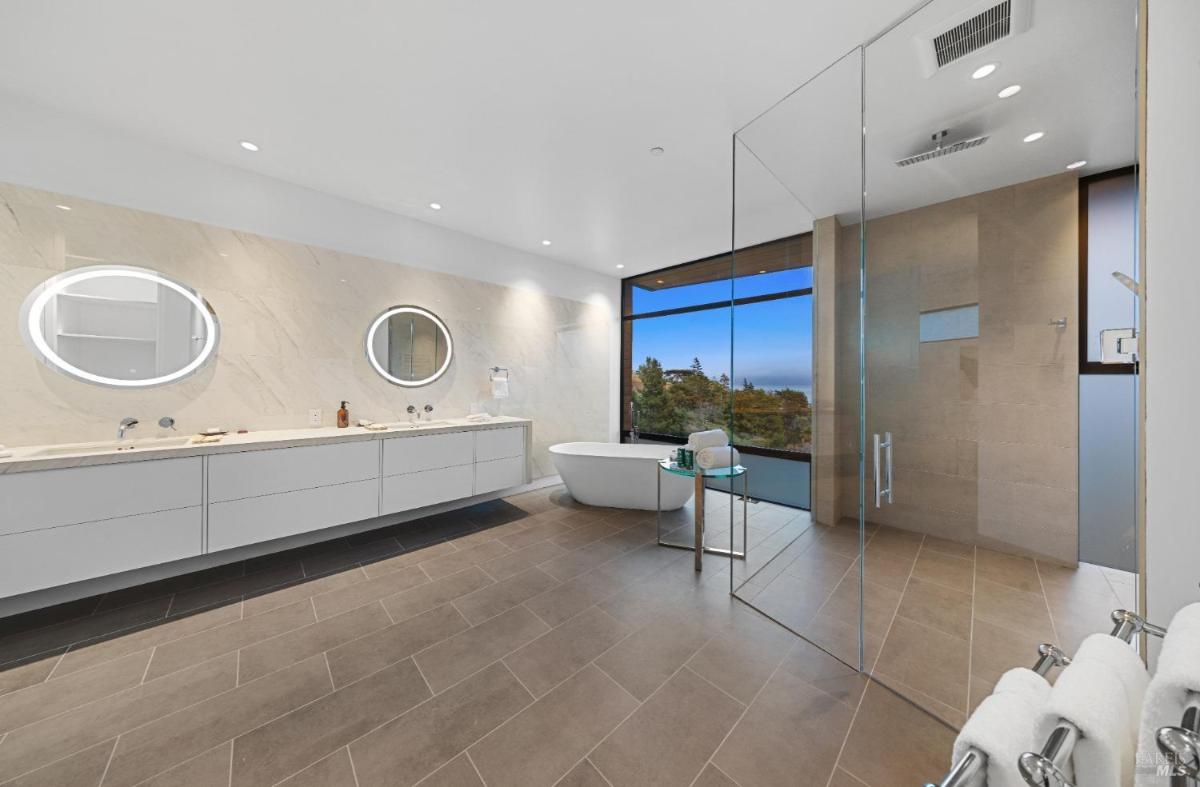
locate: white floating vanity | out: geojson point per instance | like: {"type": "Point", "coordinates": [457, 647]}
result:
{"type": "Point", "coordinates": [70, 516]}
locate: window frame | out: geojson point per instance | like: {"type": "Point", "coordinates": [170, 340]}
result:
{"type": "Point", "coordinates": [628, 318]}
{"type": "Point", "coordinates": [1086, 366]}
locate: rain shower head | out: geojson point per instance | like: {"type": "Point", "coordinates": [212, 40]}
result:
{"type": "Point", "coordinates": [1129, 283]}
{"type": "Point", "coordinates": [940, 149]}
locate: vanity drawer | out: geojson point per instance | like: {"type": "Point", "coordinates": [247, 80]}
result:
{"type": "Point", "coordinates": [427, 452]}
{"type": "Point", "coordinates": [415, 490]}
{"type": "Point", "coordinates": [62, 555]}
{"type": "Point", "coordinates": [271, 471]}
{"type": "Point", "coordinates": [52, 498]}
{"type": "Point", "coordinates": [251, 520]}
{"type": "Point", "coordinates": [499, 443]}
{"type": "Point", "coordinates": [499, 474]}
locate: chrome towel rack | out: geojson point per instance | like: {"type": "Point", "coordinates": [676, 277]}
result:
{"type": "Point", "coordinates": [974, 762]}
{"type": "Point", "coordinates": [1046, 768]}
{"type": "Point", "coordinates": [1181, 745]}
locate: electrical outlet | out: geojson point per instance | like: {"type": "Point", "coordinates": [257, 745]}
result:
{"type": "Point", "coordinates": [314, 417]}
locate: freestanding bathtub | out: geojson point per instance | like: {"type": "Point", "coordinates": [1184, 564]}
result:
{"type": "Point", "coordinates": [619, 475]}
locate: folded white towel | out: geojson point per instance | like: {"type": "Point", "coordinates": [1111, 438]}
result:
{"type": "Point", "coordinates": [708, 458]}
{"type": "Point", "coordinates": [499, 387]}
{"type": "Point", "coordinates": [478, 417]}
{"type": "Point", "coordinates": [712, 438]}
{"type": "Point", "coordinates": [1002, 726]}
{"type": "Point", "coordinates": [1090, 694]}
{"type": "Point", "coordinates": [1176, 676]}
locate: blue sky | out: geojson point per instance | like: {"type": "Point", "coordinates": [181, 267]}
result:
{"type": "Point", "coordinates": [772, 339]}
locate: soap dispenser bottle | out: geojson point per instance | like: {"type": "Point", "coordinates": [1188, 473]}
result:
{"type": "Point", "coordinates": [343, 416]}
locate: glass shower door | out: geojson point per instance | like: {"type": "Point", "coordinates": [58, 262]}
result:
{"type": "Point", "coordinates": [983, 125]}
{"type": "Point", "coordinates": [798, 176]}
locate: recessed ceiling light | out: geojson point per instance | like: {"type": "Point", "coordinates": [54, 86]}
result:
{"type": "Point", "coordinates": [1077, 164]}
{"type": "Point", "coordinates": [63, 207]}
{"type": "Point", "coordinates": [1009, 91]}
{"type": "Point", "coordinates": [656, 151]}
{"type": "Point", "coordinates": [435, 205]}
{"type": "Point", "coordinates": [658, 281]}
{"type": "Point", "coordinates": [762, 271]}
{"type": "Point", "coordinates": [620, 265]}
{"type": "Point", "coordinates": [545, 243]}
{"type": "Point", "coordinates": [983, 71]}
{"type": "Point", "coordinates": [1035, 136]}
{"type": "Point", "coordinates": [223, 254]}
{"type": "Point", "coordinates": [250, 146]}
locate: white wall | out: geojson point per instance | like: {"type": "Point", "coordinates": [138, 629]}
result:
{"type": "Point", "coordinates": [51, 150]}
{"type": "Point", "coordinates": [1172, 285]}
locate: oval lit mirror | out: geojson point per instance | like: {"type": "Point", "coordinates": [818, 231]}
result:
{"type": "Point", "coordinates": [409, 346]}
{"type": "Point", "coordinates": [119, 326]}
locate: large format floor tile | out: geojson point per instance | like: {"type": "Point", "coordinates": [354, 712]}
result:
{"type": "Point", "coordinates": [942, 620]}
{"type": "Point", "coordinates": [527, 641]}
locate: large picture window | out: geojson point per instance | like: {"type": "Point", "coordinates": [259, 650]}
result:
{"type": "Point", "coordinates": [723, 342]}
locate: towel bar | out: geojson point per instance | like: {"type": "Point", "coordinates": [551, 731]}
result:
{"type": "Point", "coordinates": [1046, 768]}
{"type": "Point", "coordinates": [974, 761]}
{"type": "Point", "coordinates": [1181, 745]}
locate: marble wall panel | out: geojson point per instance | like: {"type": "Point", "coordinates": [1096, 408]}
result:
{"type": "Point", "coordinates": [293, 320]}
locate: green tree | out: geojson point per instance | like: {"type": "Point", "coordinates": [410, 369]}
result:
{"type": "Point", "coordinates": [657, 412]}
{"type": "Point", "coordinates": [682, 401]}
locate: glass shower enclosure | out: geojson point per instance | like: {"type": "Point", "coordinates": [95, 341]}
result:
{"type": "Point", "coordinates": [795, 173]}
{"type": "Point", "coordinates": [968, 181]}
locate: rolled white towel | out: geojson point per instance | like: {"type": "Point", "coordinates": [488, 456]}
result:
{"type": "Point", "coordinates": [1176, 676]}
{"type": "Point", "coordinates": [712, 438]}
{"type": "Point", "coordinates": [1002, 726]}
{"type": "Point", "coordinates": [708, 458]}
{"type": "Point", "coordinates": [1124, 661]}
{"type": "Point", "coordinates": [1090, 694]}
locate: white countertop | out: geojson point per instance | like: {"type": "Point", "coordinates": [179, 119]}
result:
{"type": "Point", "coordinates": [27, 458]}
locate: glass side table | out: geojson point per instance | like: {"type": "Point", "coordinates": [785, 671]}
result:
{"type": "Point", "coordinates": [700, 474]}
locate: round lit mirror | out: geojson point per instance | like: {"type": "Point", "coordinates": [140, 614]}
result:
{"type": "Point", "coordinates": [119, 326]}
{"type": "Point", "coordinates": [409, 346]}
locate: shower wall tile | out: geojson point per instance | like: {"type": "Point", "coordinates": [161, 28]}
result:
{"type": "Point", "coordinates": [986, 428]}
{"type": "Point", "coordinates": [293, 318]}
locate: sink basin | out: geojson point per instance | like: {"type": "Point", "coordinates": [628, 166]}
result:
{"type": "Point", "coordinates": [113, 447]}
{"type": "Point", "coordinates": [416, 424]}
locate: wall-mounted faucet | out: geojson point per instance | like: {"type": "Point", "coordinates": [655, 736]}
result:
{"type": "Point", "coordinates": [412, 412]}
{"type": "Point", "coordinates": [166, 422]}
{"type": "Point", "coordinates": [429, 409]}
{"type": "Point", "coordinates": [126, 423]}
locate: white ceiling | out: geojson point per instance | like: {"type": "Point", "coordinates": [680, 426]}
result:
{"type": "Point", "coordinates": [533, 119]}
{"type": "Point", "coordinates": [1076, 67]}
{"type": "Point", "coordinates": [526, 119]}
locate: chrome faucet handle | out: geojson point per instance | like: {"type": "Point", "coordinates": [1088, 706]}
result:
{"type": "Point", "coordinates": [127, 422]}
{"type": "Point", "coordinates": [412, 408]}
{"type": "Point", "coordinates": [166, 422]}
{"type": "Point", "coordinates": [429, 408]}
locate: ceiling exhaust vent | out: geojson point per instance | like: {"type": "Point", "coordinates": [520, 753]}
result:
{"type": "Point", "coordinates": [941, 149]}
{"type": "Point", "coordinates": [977, 28]}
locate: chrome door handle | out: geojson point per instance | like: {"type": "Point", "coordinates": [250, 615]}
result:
{"type": "Point", "coordinates": [879, 473]}
{"type": "Point", "coordinates": [883, 456]}
{"type": "Point", "coordinates": [887, 453]}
